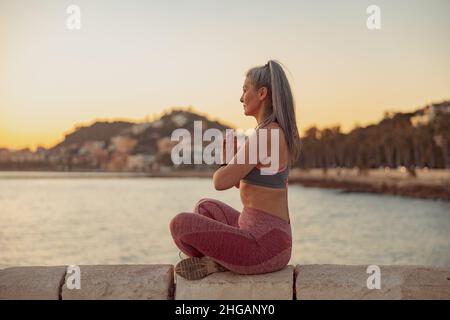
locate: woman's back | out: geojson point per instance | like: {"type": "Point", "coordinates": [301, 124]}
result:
{"type": "Point", "coordinates": [265, 192]}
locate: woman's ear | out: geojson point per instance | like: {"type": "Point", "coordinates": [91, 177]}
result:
{"type": "Point", "coordinates": [262, 93]}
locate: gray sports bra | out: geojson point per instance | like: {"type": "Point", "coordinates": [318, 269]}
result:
{"type": "Point", "coordinates": [278, 180]}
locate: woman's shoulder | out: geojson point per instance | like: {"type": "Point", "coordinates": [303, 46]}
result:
{"type": "Point", "coordinates": [282, 143]}
{"type": "Point", "coordinates": [275, 126]}
{"type": "Point", "coordinates": [281, 135]}
{"type": "Point", "coordinates": [272, 125]}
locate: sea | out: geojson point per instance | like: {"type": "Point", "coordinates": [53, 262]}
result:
{"type": "Point", "coordinates": [50, 219]}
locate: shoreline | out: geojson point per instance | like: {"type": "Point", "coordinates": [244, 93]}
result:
{"type": "Point", "coordinates": [428, 184]}
{"type": "Point", "coordinates": [102, 174]}
{"type": "Point", "coordinates": [417, 191]}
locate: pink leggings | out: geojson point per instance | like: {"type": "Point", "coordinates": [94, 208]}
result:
{"type": "Point", "coordinates": [250, 242]}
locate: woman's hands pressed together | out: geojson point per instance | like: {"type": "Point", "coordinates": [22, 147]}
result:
{"type": "Point", "coordinates": [227, 157]}
{"type": "Point", "coordinates": [224, 157]}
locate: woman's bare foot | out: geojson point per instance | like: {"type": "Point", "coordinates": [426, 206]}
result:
{"type": "Point", "coordinates": [196, 268]}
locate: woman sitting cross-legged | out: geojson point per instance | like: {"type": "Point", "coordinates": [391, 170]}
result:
{"type": "Point", "coordinates": [217, 237]}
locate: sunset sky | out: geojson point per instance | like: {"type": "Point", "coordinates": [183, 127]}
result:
{"type": "Point", "coordinates": [132, 59]}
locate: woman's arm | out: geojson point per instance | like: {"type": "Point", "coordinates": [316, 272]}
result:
{"type": "Point", "coordinates": [231, 174]}
{"type": "Point", "coordinates": [240, 165]}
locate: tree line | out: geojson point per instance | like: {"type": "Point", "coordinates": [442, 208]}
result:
{"type": "Point", "coordinates": [394, 142]}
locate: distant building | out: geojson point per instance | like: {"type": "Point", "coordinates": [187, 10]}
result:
{"type": "Point", "coordinates": [5, 155]}
{"type": "Point", "coordinates": [123, 144]}
{"type": "Point", "coordinates": [157, 124]}
{"type": "Point", "coordinates": [26, 155]}
{"type": "Point", "coordinates": [137, 129]}
{"type": "Point", "coordinates": [41, 150]}
{"type": "Point", "coordinates": [139, 162]}
{"type": "Point", "coordinates": [91, 147]}
{"type": "Point", "coordinates": [165, 145]}
{"type": "Point", "coordinates": [118, 162]}
{"type": "Point", "coordinates": [429, 113]}
{"type": "Point", "coordinates": [179, 119]}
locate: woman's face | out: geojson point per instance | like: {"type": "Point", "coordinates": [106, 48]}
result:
{"type": "Point", "coordinates": [251, 98]}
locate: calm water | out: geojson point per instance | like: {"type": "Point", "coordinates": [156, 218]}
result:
{"type": "Point", "coordinates": [63, 220]}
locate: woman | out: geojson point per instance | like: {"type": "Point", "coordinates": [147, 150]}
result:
{"type": "Point", "coordinates": [217, 237]}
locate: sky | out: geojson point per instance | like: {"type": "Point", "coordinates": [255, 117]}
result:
{"type": "Point", "coordinates": [134, 59]}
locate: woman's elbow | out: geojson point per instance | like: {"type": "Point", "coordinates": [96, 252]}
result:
{"type": "Point", "coordinates": [216, 182]}
{"type": "Point", "coordinates": [219, 187]}
{"type": "Point", "coordinates": [219, 183]}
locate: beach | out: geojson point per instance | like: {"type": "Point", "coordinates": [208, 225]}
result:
{"type": "Point", "coordinates": [427, 184]}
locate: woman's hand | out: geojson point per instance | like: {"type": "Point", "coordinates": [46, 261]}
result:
{"type": "Point", "coordinates": [230, 175]}
{"type": "Point", "coordinates": [224, 152]}
{"type": "Point", "coordinates": [224, 157]}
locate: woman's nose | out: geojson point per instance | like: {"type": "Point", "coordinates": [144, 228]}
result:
{"type": "Point", "coordinates": [242, 99]}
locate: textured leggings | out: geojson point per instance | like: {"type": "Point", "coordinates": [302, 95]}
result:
{"type": "Point", "coordinates": [250, 242]}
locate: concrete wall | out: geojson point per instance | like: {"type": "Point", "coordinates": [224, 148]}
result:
{"type": "Point", "coordinates": [300, 282]}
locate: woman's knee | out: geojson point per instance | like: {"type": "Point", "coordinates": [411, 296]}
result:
{"type": "Point", "coordinates": [202, 202]}
{"type": "Point", "coordinates": [178, 222]}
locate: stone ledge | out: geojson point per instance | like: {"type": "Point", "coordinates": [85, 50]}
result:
{"type": "Point", "coordinates": [131, 282]}
{"type": "Point", "coordinates": [331, 282]}
{"type": "Point", "coordinates": [311, 282]}
{"type": "Point", "coordinates": [31, 283]}
{"type": "Point", "coordinates": [230, 286]}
